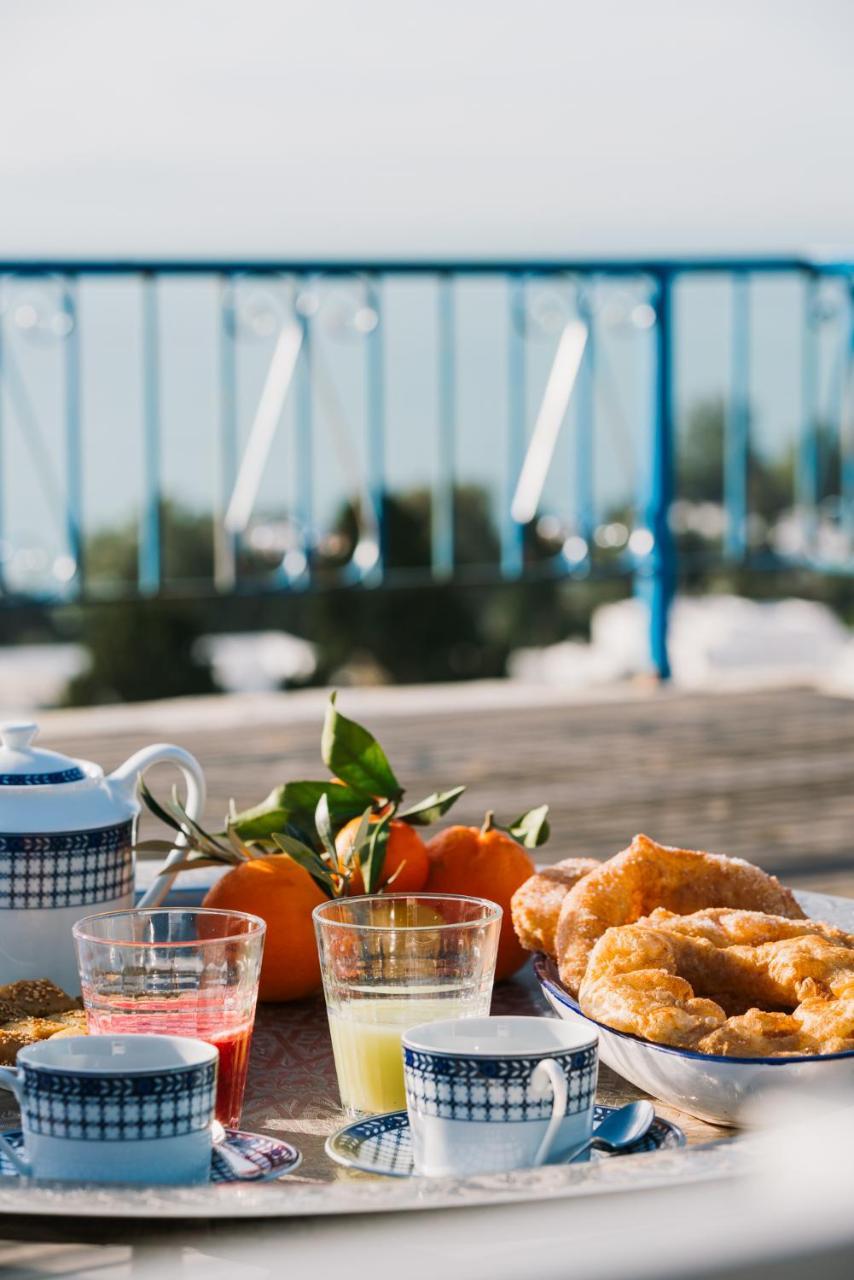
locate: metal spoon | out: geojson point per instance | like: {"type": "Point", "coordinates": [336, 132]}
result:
{"type": "Point", "coordinates": [620, 1129]}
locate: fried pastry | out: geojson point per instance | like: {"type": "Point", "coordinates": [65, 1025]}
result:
{"type": "Point", "coordinates": [759, 1034]}
{"type": "Point", "coordinates": [536, 904]}
{"type": "Point", "coordinates": [725, 982]}
{"type": "Point", "coordinates": [648, 875]}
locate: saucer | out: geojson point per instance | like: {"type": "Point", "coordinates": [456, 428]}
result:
{"type": "Point", "coordinates": [381, 1144]}
{"type": "Point", "coordinates": [271, 1158]}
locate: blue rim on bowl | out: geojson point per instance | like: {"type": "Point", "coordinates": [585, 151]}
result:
{"type": "Point", "coordinates": [547, 975]}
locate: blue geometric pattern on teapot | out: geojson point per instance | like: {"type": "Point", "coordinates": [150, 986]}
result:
{"type": "Point", "coordinates": [119, 1108]}
{"type": "Point", "coordinates": [41, 779]}
{"type": "Point", "coordinates": [493, 1088]}
{"type": "Point", "coordinates": [66, 868]}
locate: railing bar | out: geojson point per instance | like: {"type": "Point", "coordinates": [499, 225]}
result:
{"type": "Point", "coordinates": [225, 541]}
{"type": "Point", "coordinates": [443, 498]}
{"type": "Point", "coordinates": [737, 426]}
{"type": "Point", "coordinates": [376, 412]}
{"type": "Point", "coordinates": [846, 429]}
{"type": "Point", "coordinates": [3, 547]}
{"type": "Point", "coordinates": [305, 448]}
{"type": "Point", "coordinates": [662, 558]}
{"type": "Point", "coordinates": [384, 266]}
{"type": "Point", "coordinates": [150, 548]}
{"type": "Point", "coordinates": [73, 435]}
{"type": "Point", "coordinates": [513, 533]}
{"type": "Point", "coordinates": [585, 423]}
{"type": "Point", "coordinates": [807, 480]}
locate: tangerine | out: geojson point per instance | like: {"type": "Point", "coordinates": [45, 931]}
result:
{"type": "Point", "coordinates": [284, 895]}
{"type": "Point", "coordinates": [405, 857]}
{"type": "Point", "coordinates": [482, 862]}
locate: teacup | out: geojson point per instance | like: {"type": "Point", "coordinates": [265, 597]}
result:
{"type": "Point", "coordinates": [486, 1095]}
{"type": "Point", "coordinates": [129, 1108]}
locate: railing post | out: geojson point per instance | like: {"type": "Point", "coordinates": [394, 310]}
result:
{"type": "Point", "coordinates": [443, 514]}
{"type": "Point", "coordinates": [225, 542]}
{"type": "Point", "coordinates": [737, 432]}
{"type": "Point", "coordinates": [3, 548]}
{"type": "Point", "coordinates": [585, 425]}
{"type": "Point", "coordinates": [662, 557]}
{"type": "Point", "coordinates": [73, 440]}
{"type": "Point", "coordinates": [304, 387]}
{"type": "Point", "coordinates": [807, 476]}
{"type": "Point", "coordinates": [847, 423]}
{"type": "Point", "coordinates": [150, 552]}
{"type": "Point", "coordinates": [376, 414]}
{"type": "Point", "coordinates": [513, 533]}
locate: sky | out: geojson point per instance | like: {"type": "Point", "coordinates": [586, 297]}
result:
{"type": "Point", "coordinates": [374, 127]}
{"type": "Point", "coordinates": [379, 129]}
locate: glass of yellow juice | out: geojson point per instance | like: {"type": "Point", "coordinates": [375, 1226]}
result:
{"type": "Point", "coordinates": [390, 962]}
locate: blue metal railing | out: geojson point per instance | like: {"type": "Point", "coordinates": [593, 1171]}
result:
{"type": "Point", "coordinates": [651, 557]}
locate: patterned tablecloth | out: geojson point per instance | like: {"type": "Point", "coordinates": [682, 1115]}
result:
{"type": "Point", "coordinates": [292, 1091]}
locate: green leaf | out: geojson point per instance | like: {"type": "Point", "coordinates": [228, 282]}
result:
{"type": "Point", "coordinates": [354, 755]}
{"type": "Point", "coordinates": [373, 860]}
{"type": "Point", "coordinates": [157, 809]}
{"type": "Point", "coordinates": [532, 828]}
{"type": "Point", "coordinates": [360, 835]}
{"type": "Point", "coordinates": [296, 803]}
{"type": "Point", "coordinates": [192, 830]}
{"type": "Point", "coordinates": [309, 860]}
{"type": "Point", "coordinates": [195, 860]}
{"type": "Point", "coordinates": [261, 819]}
{"type": "Point", "coordinates": [154, 846]}
{"type": "Point", "coordinates": [244, 854]}
{"type": "Point", "coordinates": [431, 808]}
{"type": "Point", "coordinates": [323, 824]}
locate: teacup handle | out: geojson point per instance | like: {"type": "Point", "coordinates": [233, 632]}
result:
{"type": "Point", "coordinates": [11, 1078]}
{"type": "Point", "coordinates": [548, 1077]}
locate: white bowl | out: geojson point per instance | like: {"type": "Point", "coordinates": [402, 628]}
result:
{"type": "Point", "coordinates": [711, 1088]}
{"type": "Point", "coordinates": [707, 1087]}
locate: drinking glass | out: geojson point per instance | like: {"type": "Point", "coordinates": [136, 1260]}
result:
{"type": "Point", "coordinates": [390, 962]}
{"type": "Point", "coordinates": [172, 972]}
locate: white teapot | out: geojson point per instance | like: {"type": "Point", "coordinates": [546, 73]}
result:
{"type": "Point", "coordinates": [66, 848]}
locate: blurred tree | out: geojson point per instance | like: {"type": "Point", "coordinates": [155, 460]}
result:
{"type": "Point", "coordinates": [187, 548]}
{"type": "Point", "coordinates": [139, 650]}
{"type": "Point", "coordinates": [771, 482]}
{"type": "Point", "coordinates": [429, 632]}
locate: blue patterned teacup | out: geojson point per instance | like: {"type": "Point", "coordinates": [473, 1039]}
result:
{"type": "Point", "coordinates": [486, 1095]}
{"type": "Point", "coordinates": [129, 1108]}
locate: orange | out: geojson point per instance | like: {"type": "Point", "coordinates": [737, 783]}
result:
{"type": "Point", "coordinates": [482, 863]}
{"type": "Point", "coordinates": [405, 850]}
{"type": "Point", "coordinates": [284, 895]}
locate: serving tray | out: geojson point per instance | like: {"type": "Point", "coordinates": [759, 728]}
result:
{"type": "Point", "coordinates": [292, 1095]}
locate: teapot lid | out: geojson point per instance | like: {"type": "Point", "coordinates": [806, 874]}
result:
{"type": "Point", "coordinates": [23, 765]}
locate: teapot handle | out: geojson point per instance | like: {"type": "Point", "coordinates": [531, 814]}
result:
{"type": "Point", "coordinates": [126, 776]}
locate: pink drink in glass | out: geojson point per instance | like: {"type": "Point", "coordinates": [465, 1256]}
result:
{"type": "Point", "coordinates": [204, 1019]}
{"type": "Point", "coordinates": [178, 972]}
